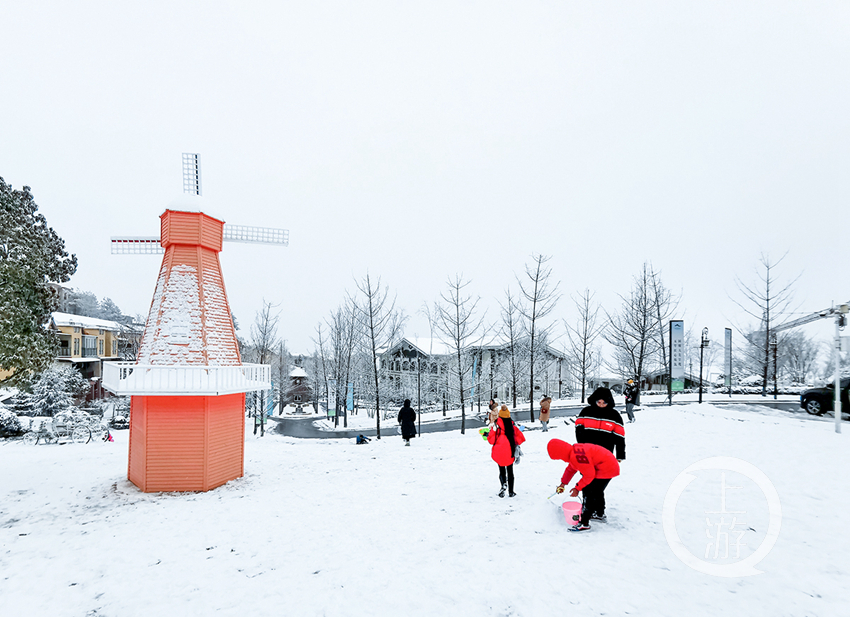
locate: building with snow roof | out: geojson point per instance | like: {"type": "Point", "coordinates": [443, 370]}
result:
{"type": "Point", "coordinates": [86, 342]}
{"type": "Point", "coordinates": [299, 391]}
{"type": "Point", "coordinates": [412, 362]}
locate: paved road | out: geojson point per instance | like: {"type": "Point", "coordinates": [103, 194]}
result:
{"type": "Point", "coordinates": [303, 427]}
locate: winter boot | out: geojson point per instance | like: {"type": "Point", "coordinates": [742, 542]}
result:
{"type": "Point", "coordinates": [579, 527]}
{"type": "Point", "coordinates": [511, 494]}
{"type": "Point", "coordinates": [502, 492]}
{"type": "Point", "coordinates": [599, 517]}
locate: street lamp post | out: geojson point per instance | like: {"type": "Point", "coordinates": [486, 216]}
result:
{"type": "Point", "coordinates": [774, 344]}
{"type": "Point", "coordinates": [703, 343]}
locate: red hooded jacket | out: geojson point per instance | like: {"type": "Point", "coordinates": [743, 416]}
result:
{"type": "Point", "coordinates": [590, 460]}
{"type": "Point", "coordinates": [501, 452]}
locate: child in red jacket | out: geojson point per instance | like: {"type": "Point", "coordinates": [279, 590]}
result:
{"type": "Point", "coordinates": [505, 436]}
{"type": "Point", "coordinates": [596, 465]}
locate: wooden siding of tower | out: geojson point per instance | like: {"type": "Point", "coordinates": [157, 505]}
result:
{"type": "Point", "coordinates": [220, 346]}
{"type": "Point", "coordinates": [192, 228]}
{"type": "Point", "coordinates": [186, 443]}
{"type": "Point", "coordinates": [218, 322]}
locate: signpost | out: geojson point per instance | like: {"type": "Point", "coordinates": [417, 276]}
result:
{"type": "Point", "coordinates": [728, 362]}
{"type": "Point", "coordinates": [677, 356]}
{"type": "Point", "coordinates": [332, 400]}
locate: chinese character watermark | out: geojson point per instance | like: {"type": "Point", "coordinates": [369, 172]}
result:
{"type": "Point", "coordinates": [728, 531]}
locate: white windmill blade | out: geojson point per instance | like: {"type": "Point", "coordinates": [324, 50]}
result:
{"type": "Point", "coordinates": [136, 245]}
{"type": "Point", "coordinates": [192, 173]}
{"type": "Point", "coordinates": [256, 235]}
{"type": "Point", "coordinates": [150, 245]}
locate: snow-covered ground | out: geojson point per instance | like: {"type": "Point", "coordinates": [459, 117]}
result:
{"type": "Point", "coordinates": [326, 527]}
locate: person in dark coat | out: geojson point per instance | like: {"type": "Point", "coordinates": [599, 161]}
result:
{"type": "Point", "coordinates": [599, 423]}
{"type": "Point", "coordinates": [407, 419]}
{"type": "Point", "coordinates": [632, 394]}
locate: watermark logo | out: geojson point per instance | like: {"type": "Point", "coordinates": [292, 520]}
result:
{"type": "Point", "coordinates": [726, 528]}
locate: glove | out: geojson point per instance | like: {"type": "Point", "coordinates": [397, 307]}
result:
{"type": "Point", "coordinates": [574, 492]}
{"type": "Point", "coordinates": [560, 489]}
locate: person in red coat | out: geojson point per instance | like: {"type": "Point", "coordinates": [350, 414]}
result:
{"type": "Point", "coordinates": [596, 465]}
{"type": "Point", "coordinates": [505, 436]}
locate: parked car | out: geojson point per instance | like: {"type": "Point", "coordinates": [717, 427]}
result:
{"type": "Point", "coordinates": [816, 401]}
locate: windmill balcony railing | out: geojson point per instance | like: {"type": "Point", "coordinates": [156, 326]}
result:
{"type": "Point", "coordinates": [128, 378]}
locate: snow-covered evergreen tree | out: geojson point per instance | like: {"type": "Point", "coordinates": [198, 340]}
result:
{"type": "Point", "coordinates": [9, 423]}
{"type": "Point", "coordinates": [109, 310]}
{"type": "Point", "coordinates": [31, 256]}
{"type": "Point", "coordinates": [56, 389]}
{"type": "Point", "coordinates": [85, 303]}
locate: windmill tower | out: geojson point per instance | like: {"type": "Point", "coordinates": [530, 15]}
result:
{"type": "Point", "coordinates": [188, 383]}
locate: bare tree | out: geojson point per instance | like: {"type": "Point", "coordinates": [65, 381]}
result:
{"type": "Point", "coordinates": [321, 364]}
{"type": "Point", "coordinates": [380, 324]}
{"type": "Point", "coordinates": [263, 342]}
{"type": "Point", "coordinates": [456, 321]}
{"type": "Point", "coordinates": [284, 368]}
{"type": "Point", "coordinates": [515, 344]}
{"type": "Point", "coordinates": [342, 327]}
{"type": "Point", "coordinates": [541, 297]}
{"type": "Point", "coordinates": [665, 306]}
{"type": "Point", "coordinates": [632, 331]}
{"type": "Point", "coordinates": [581, 336]}
{"type": "Point", "coordinates": [766, 301]}
{"type": "Point", "coordinates": [800, 355]}
{"type": "Point", "coordinates": [434, 366]}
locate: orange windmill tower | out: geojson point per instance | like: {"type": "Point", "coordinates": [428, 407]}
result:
{"type": "Point", "coordinates": [188, 383]}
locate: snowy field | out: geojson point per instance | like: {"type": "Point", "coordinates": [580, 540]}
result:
{"type": "Point", "coordinates": [326, 527]}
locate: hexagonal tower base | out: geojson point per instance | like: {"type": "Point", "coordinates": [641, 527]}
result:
{"type": "Point", "coordinates": [186, 443]}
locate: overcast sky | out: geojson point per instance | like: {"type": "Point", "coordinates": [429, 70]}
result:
{"type": "Point", "coordinates": [417, 140]}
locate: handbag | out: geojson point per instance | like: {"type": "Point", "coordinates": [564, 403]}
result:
{"type": "Point", "coordinates": [517, 455]}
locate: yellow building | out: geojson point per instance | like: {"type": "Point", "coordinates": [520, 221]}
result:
{"type": "Point", "coordinates": [86, 341]}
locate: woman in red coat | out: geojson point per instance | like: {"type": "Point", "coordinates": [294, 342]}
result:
{"type": "Point", "coordinates": [505, 436]}
{"type": "Point", "coordinates": [597, 467]}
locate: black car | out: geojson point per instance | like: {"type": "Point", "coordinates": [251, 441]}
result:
{"type": "Point", "coordinates": [819, 400]}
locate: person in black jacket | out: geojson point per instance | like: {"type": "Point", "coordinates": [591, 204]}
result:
{"type": "Point", "coordinates": [407, 419]}
{"type": "Point", "coordinates": [601, 424]}
{"type": "Point", "coordinates": [632, 394]}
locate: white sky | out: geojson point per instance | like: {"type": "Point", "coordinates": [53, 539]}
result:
{"type": "Point", "coordinates": [419, 140]}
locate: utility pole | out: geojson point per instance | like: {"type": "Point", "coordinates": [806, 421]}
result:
{"type": "Point", "coordinates": [703, 343]}
{"type": "Point", "coordinates": [840, 321]}
{"type": "Point", "coordinates": [419, 391]}
{"type": "Point", "coordinates": [840, 313]}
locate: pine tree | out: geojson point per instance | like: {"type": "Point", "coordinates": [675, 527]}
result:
{"type": "Point", "coordinates": [31, 255]}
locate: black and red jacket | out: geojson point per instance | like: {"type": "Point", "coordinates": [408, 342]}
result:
{"type": "Point", "coordinates": [603, 427]}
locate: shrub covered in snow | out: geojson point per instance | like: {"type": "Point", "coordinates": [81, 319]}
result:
{"type": "Point", "coordinates": [9, 423]}
{"type": "Point", "coordinates": [56, 389]}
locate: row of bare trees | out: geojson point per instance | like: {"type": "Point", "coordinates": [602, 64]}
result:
{"type": "Point", "coordinates": [627, 340]}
